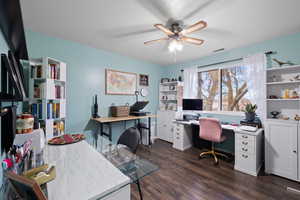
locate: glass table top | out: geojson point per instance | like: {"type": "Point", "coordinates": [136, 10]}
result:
{"type": "Point", "coordinates": [121, 157]}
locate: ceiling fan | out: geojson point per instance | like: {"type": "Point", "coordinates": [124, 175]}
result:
{"type": "Point", "coordinates": [177, 34]}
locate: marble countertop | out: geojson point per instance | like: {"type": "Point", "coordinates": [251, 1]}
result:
{"type": "Point", "coordinates": [81, 173]}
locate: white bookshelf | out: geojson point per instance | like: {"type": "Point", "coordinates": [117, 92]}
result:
{"type": "Point", "coordinates": [47, 94]}
{"type": "Point", "coordinates": [280, 81]}
{"type": "Point", "coordinates": [170, 96]}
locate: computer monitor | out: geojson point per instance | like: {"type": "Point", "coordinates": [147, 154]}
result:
{"type": "Point", "coordinates": [192, 104]}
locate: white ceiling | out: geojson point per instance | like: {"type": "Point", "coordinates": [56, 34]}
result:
{"type": "Point", "coordinates": [123, 25]}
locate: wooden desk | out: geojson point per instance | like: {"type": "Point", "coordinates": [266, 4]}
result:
{"type": "Point", "coordinates": [109, 120]}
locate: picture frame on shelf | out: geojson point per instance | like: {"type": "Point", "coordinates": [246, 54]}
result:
{"type": "Point", "coordinates": [120, 83]}
{"type": "Point", "coordinates": [144, 80]}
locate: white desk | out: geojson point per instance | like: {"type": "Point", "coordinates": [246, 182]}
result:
{"type": "Point", "coordinates": [84, 173]}
{"type": "Point", "coordinates": [248, 146]}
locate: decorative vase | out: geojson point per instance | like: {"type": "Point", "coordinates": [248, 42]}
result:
{"type": "Point", "coordinates": [250, 116]}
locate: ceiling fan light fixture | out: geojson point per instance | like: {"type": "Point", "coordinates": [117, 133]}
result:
{"type": "Point", "coordinates": [175, 45]}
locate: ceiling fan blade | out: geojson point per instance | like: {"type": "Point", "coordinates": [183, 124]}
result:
{"type": "Point", "coordinates": [192, 40]}
{"type": "Point", "coordinates": [151, 41]}
{"type": "Point", "coordinates": [164, 29]}
{"type": "Point", "coordinates": [195, 27]}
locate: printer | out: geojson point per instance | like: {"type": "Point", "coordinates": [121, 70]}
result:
{"type": "Point", "coordinates": [137, 107]}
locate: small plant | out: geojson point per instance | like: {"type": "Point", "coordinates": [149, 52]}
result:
{"type": "Point", "coordinates": [250, 112]}
{"type": "Point", "coordinates": [250, 108]}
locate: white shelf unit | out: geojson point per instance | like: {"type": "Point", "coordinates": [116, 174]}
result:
{"type": "Point", "coordinates": [281, 80]}
{"type": "Point", "coordinates": [170, 96]}
{"type": "Point", "coordinates": [282, 137]}
{"type": "Point", "coordinates": [170, 101]}
{"type": "Point", "coordinates": [47, 94]}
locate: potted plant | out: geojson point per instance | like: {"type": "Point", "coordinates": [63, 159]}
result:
{"type": "Point", "coordinates": [250, 112]}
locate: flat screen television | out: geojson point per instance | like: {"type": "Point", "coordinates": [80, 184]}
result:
{"type": "Point", "coordinates": [12, 74]}
{"type": "Point", "coordinates": [11, 25]}
{"type": "Point", "coordinates": [192, 104]}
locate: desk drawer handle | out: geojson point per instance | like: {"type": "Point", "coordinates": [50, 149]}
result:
{"type": "Point", "coordinates": [244, 149]}
{"type": "Point", "coordinates": [244, 143]}
{"type": "Point", "coordinates": [177, 138]}
{"type": "Point", "coordinates": [244, 156]}
{"type": "Point", "coordinates": [244, 136]}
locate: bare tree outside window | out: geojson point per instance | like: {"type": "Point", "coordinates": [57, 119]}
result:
{"type": "Point", "coordinates": [234, 91]}
{"type": "Point", "coordinates": [209, 89]}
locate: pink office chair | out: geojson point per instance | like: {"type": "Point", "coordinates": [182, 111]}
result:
{"type": "Point", "coordinates": [211, 130]}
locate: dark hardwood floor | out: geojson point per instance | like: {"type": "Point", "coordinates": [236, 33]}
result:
{"type": "Point", "coordinates": [183, 176]}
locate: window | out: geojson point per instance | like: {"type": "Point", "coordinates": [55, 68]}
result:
{"type": "Point", "coordinates": [209, 89]}
{"type": "Point", "coordinates": [224, 89]}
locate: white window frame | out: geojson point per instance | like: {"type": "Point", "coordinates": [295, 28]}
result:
{"type": "Point", "coordinates": [219, 68]}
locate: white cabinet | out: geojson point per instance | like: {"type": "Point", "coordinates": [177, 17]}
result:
{"type": "Point", "coordinates": [182, 136]}
{"type": "Point", "coordinates": [248, 151]}
{"type": "Point", "coordinates": [281, 148]}
{"type": "Point", "coordinates": [165, 125]}
{"type": "Point", "coordinates": [121, 194]}
{"type": "Point", "coordinates": [298, 152]}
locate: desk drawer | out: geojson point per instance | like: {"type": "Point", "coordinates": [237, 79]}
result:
{"type": "Point", "coordinates": [178, 127]}
{"type": "Point", "coordinates": [178, 141]}
{"type": "Point", "coordinates": [178, 134]}
{"type": "Point", "coordinates": [244, 139]}
{"type": "Point", "coordinates": [245, 161]}
{"type": "Point", "coordinates": [248, 149]}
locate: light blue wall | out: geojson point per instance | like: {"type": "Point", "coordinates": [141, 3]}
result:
{"type": "Point", "coordinates": [86, 77]}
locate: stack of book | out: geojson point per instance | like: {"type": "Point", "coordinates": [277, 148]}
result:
{"type": "Point", "coordinates": [37, 110]}
{"type": "Point", "coordinates": [38, 90]}
{"type": "Point", "coordinates": [53, 71]}
{"type": "Point", "coordinates": [59, 92]}
{"type": "Point", "coordinates": [37, 71]}
{"type": "Point", "coordinates": [53, 110]}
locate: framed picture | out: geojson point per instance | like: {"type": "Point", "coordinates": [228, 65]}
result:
{"type": "Point", "coordinates": [24, 187]}
{"type": "Point", "coordinates": [120, 83]}
{"type": "Point", "coordinates": [144, 80]}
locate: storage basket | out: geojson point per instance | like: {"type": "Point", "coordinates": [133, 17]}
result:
{"type": "Point", "coordinates": [120, 111]}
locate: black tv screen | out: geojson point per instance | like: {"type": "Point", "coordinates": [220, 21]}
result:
{"type": "Point", "coordinates": [11, 25]}
{"type": "Point", "coordinates": [12, 73]}
{"type": "Point", "coordinates": [192, 104]}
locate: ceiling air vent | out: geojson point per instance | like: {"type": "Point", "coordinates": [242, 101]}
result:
{"type": "Point", "coordinates": [218, 50]}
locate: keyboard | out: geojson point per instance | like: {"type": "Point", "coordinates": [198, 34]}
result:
{"type": "Point", "coordinates": [248, 128]}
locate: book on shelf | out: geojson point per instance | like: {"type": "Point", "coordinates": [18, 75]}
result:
{"type": "Point", "coordinates": [34, 109]}
{"type": "Point", "coordinates": [37, 110]}
{"type": "Point", "coordinates": [53, 110]}
{"type": "Point", "coordinates": [36, 71]}
{"type": "Point", "coordinates": [58, 128]}
{"type": "Point", "coordinates": [53, 71]}
{"type": "Point", "coordinates": [38, 90]}
{"type": "Point", "coordinates": [59, 92]}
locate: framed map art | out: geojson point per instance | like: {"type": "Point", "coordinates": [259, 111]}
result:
{"type": "Point", "coordinates": [120, 83]}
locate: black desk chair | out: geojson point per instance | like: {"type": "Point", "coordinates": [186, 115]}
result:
{"type": "Point", "coordinates": [131, 138]}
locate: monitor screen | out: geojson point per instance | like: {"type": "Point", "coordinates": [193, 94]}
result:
{"type": "Point", "coordinates": [192, 104]}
